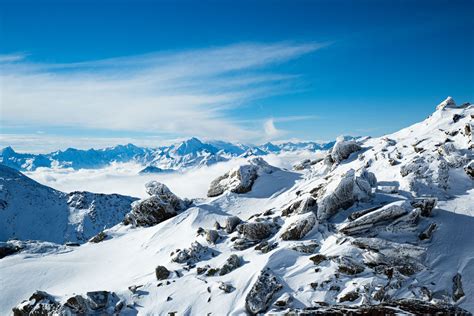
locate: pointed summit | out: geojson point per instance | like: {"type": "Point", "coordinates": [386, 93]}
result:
{"type": "Point", "coordinates": [448, 103]}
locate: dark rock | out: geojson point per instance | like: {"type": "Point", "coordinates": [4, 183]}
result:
{"type": "Point", "coordinates": [349, 297]}
{"type": "Point", "coordinates": [211, 236]}
{"type": "Point", "coordinates": [469, 169]}
{"type": "Point", "coordinates": [232, 263]}
{"type": "Point", "coordinates": [266, 247]}
{"type": "Point", "coordinates": [428, 232]}
{"type": "Point", "coordinates": [457, 117]}
{"type": "Point", "coordinates": [458, 291]}
{"type": "Point", "coordinates": [190, 255]}
{"type": "Point", "coordinates": [300, 228]}
{"type": "Point", "coordinates": [7, 249]}
{"type": "Point", "coordinates": [317, 259]}
{"type": "Point", "coordinates": [306, 248]}
{"type": "Point", "coordinates": [231, 223]}
{"type": "Point", "coordinates": [97, 299]}
{"type": "Point", "coordinates": [40, 304]}
{"type": "Point", "coordinates": [227, 288]}
{"type": "Point", "coordinates": [261, 294]}
{"type": "Point", "coordinates": [161, 273]}
{"type": "Point", "coordinates": [426, 205]}
{"type": "Point", "coordinates": [256, 230]}
{"type": "Point", "coordinates": [349, 266]}
{"type": "Point", "coordinates": [98, 238]}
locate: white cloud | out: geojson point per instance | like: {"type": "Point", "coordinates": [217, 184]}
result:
{"type": "Point", "coordinates": [173, 93]}
{"type": "Point", "coordinates": [271, 132]}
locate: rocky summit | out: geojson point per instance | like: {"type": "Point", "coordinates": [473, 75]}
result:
{"type": "Point", "coordinates": [374, 226]}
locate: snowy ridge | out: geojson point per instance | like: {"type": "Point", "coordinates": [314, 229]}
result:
{"type": "Point", "coordinates": [379, 225]}
{"type": "Point", "coordinates": [30, 210]}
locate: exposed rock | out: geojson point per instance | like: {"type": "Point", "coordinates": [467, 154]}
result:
{"type": "Point", "coordinates": [161, 273]}
{"type": "Point", "coordinates": [244, 243]}
{"type": "Point", "coordinates": [309, 248]}
{"type": "Point", "coordinates": [349, 266]}
{"type": "Point", "coordinates": [98, 238]}
{"type": "Point", "coordinates": [380, 216]}
{"type": "Point", "coordinates": [470, 169]}
{"type": "Point", "coordinates": [266, 247]}
{"type": "Point", "coordinates": [428, 232]}
{"type": "Point", "coordinates": [160, 206]}
{"type": "Point", "coordinates": [426, 205]}
{"type": "Point", "coordinates": [260, 296]}
{"type": "Point", "coordinates": [7, 249]}
{"type": "Point", "coordinates": [458, 291]}
{"type": "Point", "coordinates": [211, 236]}
{"type": "Point", "coordinates": [343, 149]}
{"type": "Point", "coordinates": [392, 308]}
{"type": "Point", "coordinates": [284, 301]}
{"type": "Point", "coordinates": [232, 263]}
{"type": "Point", "coordinates": [226, 287]}
{"type": "Point", "coordinates": [357, 214]}
{"type": "Point", "coordinates": [342, 193]}
{"type": "Point", "coordinates": [256, 230]}
{"type": "Point", "coordinates": [241, 179]}
{"type": "Point", "coordinates": [190, 255]}
{"type": "Point", "coordinates": [300, 228]}
{"type": "Point", "coordinates": [349, 297]}
{"type": "Point", "coordinates": [40, 303]}
{"type": "Point", "coordinates": [231, 223]}
{"type": "Point", "coordinates": [317, 259]}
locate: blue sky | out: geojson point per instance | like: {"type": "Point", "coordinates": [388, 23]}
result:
{"type": "Point", "coordinates": [96, 73]}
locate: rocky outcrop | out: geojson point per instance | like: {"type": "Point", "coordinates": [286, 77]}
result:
{"type": "Point", "coordinates": [300, 228]}
{"type": "Point", "coordinates": [241, 179]}
{"type": "Point", "coordinates": [394, 307]}
{"type": "Point", "coordinates": [262, 292]}
{"type": "Point", "coordinates": [256, 230]}
{"type": "Point", "coordinates": [343, 192]}
{"type": "Point", "coordinates": [190, 255]}
{"type": "Point", "coordinates": [7, 249]}
{"type": "Point", "coordinates": [92, 303]}
{"type": "Point", "coordinates": [160, 206]}
{"type": "Point", "coordinates": [380, 216]}
{"type": "Point", "coordinates": [458, 291]}
{"type": "Point", "coordinates": [343, 149]}
{"type": "Point", "coordinates": [469, 169]}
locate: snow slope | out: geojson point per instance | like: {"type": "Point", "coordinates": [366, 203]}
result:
{"type": "Point", "coordinates": [30, 210]}
{"type": "Point", "coordinates": [351, 231]}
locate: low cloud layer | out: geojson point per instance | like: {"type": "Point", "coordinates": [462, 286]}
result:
{"type": "Point", "coordinates": [123, 178]}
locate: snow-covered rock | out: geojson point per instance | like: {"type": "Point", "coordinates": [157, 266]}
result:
{"type": "Point", "coordinates": [343, 192]}
{"type": "Point", "coordinates": [240, 180]}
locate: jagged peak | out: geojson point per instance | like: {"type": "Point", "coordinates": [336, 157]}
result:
{"type": "Point", "coordinates": [447, 103]}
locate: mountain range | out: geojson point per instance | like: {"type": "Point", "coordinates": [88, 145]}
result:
{"type": "Point", "coordinates": [189, 153]}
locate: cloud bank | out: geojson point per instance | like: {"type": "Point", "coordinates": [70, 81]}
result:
{"type": "Point", "coordinates": [178, 94]}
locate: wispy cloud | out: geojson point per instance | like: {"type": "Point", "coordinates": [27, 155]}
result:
{"type": "Point", "coordinates": [172, 93]}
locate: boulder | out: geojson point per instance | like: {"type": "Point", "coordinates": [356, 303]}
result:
{"type": "Point", "coordinates": [211, 236]}
{"type": "Point", "coordinates": [343, 192]}
{"type": "Point", "coordinates": [231, 223]}
{"type": "Point", "coordinates": [98, 238]}
{"type": "Point", "coordinates": [161, 273]}
{"type": "Point", "coordinates": [226, 287]}
{"type": "Point", "coordinates": [256, 230]}
{"type": "Point", "coordinates": [300, 228]}
{"type": "Point", "coordinates": [232, 263]}
{"type": "Point", "coordinates": [347, 265]}
{"type": "Point", "coordinates": [426, 205]}
{"type": "Point", "coordinates": [343, 149]}
{"type": "Point", "coordinates": [262, 292]}
{"type": "Point", "coordinates": [428, 232]}
{"type": "Point", "coordinates": [241, 179]}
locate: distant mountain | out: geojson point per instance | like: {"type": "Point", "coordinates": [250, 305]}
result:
{"type": "Point", "coordinates": [186, 154]}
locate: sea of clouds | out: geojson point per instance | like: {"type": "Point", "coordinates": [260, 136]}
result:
{"type": "Point", "coordinates": [123, 178]}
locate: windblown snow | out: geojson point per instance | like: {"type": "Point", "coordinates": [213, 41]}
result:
{"type": "Point", "coordinates": [380, 225]}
